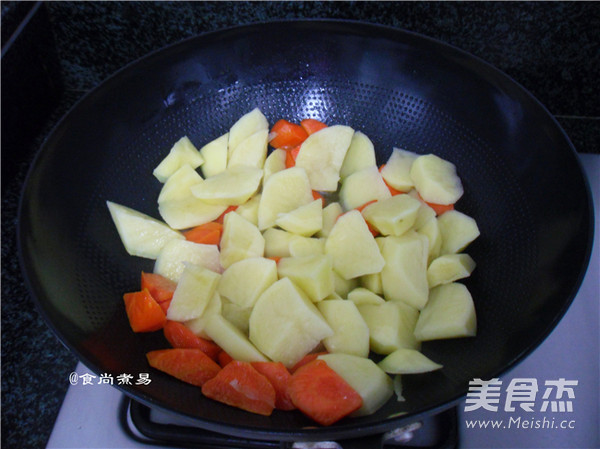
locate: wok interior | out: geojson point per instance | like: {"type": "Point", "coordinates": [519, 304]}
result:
{"type": "Point", "coordinates": [522, 185]}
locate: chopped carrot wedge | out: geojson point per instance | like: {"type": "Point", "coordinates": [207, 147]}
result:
{"type": "Point", "coordinates": [207, 233]}
{"type": "Point", "coordinates": [441, 208]}
{"type": "Point", "coordinates": [144, 313]}
{"type": "Point", "coordinates": [305, 360]}
{"type": "Point", "coordinates": [279, 376]}
{"type": "Point", "coordinates": [224, 358]}
{"type": "Point", "coordinates": [240, 385]}
{"type": "Point", "coordinates": [165, 305]}
{"type": "Point", "coordinates": [189, 365]}
{"type": "Point", "coordinates": [290, 157]}
{"type": "Point", "coordinates": [160, 287]}
{"type": "Point", "coordinates": [222, 216]}
{"type": "Point", "coordinates": [286, 135]}
{"type": "Point", "coordinates": [180, 336]}
{"type": "Point", "coordinates": [312, 126]}
{"type": "Point", "coordinates": [322, 394]}
{"type": "Point", "coordinates": [275, 258]}
{"type": "Point", "coordinates": [317, 196]}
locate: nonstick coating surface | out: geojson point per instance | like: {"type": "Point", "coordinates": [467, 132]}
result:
{"type": "Point", "coordinates": [522, 179]}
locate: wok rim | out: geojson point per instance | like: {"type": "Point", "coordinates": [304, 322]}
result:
{"type": "Point", "coordinates": [345, 429]}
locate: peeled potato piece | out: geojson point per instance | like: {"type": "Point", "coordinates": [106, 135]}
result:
{"type": "Point", "coordinates": [449, 268]}
{"type": "Point", "coordinates": [450, 313]}
{"type": "Point", "coordinates": [215, 156]}
{"type": "Point", "coordinates": [360, 154]}
{"type": "Point", "coordinates": [141, 234]}
{"type": "Point", "coordinates": [183, 153]}
{"type": "Point", "coordinates": [436, 180]}
{"type": "Point", "coordinates": [458, 231]}
{"type": "Point", "coordinates": [232, 187]}
{"type": "Point", "coordinates": [396, 171]}
{"type": "Point", "coordinates": [407, 361]}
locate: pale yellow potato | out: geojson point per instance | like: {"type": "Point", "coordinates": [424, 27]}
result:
{"type": "Point", "coordinates": [404, 276]}
{"type": "Point", "coordinates": [252, 151]}
{"type": "Point", "coordinates": [232, 340]}
{"type": "Point", "coordinates": [396, 171]}
{"type": "Point", "coordinates": [245, 280]}
{"type": "Point", "coordinates": [450, 313]}
{"type": "Point", "coordinates": [449, 268]}
{"type": "Point", "coordinates": [313, 274]}
{"type": "Point", "coordinates": [394, 215]}
{"type": "Point", "coordinates": [361, 295]}
{"type": "Point", "coordinates": [362, 187]}
{"type": "Point", "coordinates": [322, 155]}
{"type": "Point", "coordinates": [171, 259]}
{"type": "Point", "coordinates": [275, 162]}
{"type": "Point", "coordinates": [436, 180]}
{"type": "Point", "coordinates": [231, 187]}
{"type": "Point", "coordinates": [353, 247]}
{"type": "Point", "coordinates": [283, 192]}
{"type": "Point", "coordinates": [141, 235]}
{"type": "Point", "coordinates": [391, 326]}
{"type": "Point", "coordinates": [183, 152]}
{"type": "Point", "coordinates": [240, 240]}
{"type": "Point", "coordinates": [245, 126]}
{"type": "Point", "coordinates": [215, 156]}
{"type": "Point", "coordinates": [408, 361]}
{"type": "Point", "coordinates": [350, 332]}
{"type": "Point", "coordinates": [360, 154]}
{"type": "Point", "coordinates": [365, 377]}
{"type": "Point", "coordinates": [305, 220]}
{"type": "Point", "coordinates": [197, 325]}
{"type": "Point", "coordinates": [195, 288]}
{"type": "Point", "coordinates": [285, 325]}
{"type": "Point", "coordinates": [458, 231]}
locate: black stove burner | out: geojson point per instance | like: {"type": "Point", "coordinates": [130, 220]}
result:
{"type": "Point", "coordinates": [439, 431]}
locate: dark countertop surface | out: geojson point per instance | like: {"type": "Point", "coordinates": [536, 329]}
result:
{"type": "Point", "coordinates": [550, 48]}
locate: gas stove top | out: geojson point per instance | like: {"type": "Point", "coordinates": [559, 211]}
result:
{"type": "Point", "coordinates": [549, 400]}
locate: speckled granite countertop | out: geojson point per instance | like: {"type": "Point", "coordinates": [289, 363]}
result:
{"type": "Point", "coordinates": [552, 49]}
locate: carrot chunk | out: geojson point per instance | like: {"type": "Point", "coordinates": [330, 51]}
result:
{"type": "Point", "coordinates": [305, 360]}
{"type": "Point", "coordinates": [317, 196]}
{"type": "Point", "coordinates": [180, 336]}
{"type": "Point", "coordinates": [143, 312]}
{"type": "Point", "coordinates": [287, 135]}
{"type": "Point", "coordinates": [290, 157]}
{"type": "Point", "coordinates": [165, 305]}
{"type": "Point", "coordinates": [160, 287]}
{"type": "Point", "coordinates": [238, 384]}
{"type": "Point", "coordinates": [224, 358]}
{"type": "Point", "coordinates": [222, 216]}
{"type": "Point", "coordinates": [312, 126]}
{"type": "Point", "coordinates": [207, 233]}
{"type": "Point", "coordinates": [192, 366]}
{"type": "Point", "coordinates": [441, 208]}
{"type": "Point", "coordinates": [322, 394]}
{"type": "Point", "coordinates": [279, 376]}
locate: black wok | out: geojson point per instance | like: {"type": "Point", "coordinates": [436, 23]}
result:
{"type": "Point", "coordinates": [522, 178]}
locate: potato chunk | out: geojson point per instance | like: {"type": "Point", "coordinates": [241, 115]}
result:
{"type": "Point", "coordinates": [285, 325]}
{"type": "Point", "coordinates": [450, 313]}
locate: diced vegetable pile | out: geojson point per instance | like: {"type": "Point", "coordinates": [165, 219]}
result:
{"type": "Point", "coordinates": [285, 257]}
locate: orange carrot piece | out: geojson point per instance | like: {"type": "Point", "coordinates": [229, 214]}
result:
{"type": "Point", "coordinates": [275, 258]}
{"type": "Point", "coordinates": [180, 336]}
{"type": "Point", "coordinates": [160, 287]}
{"type": "Point", "coordinates": [322, 394]}
{"type": "Point", "coordinates": [290, 157]}
{"type": "Point", "coordinates": [240, 385]}
{"type": "Point", "coordinates": [312, 126]}
{"type": "Point", "coordinates": [305, 360]}
{"type": "Point", "coordinates": [165, 305]}
{"type": "Point", "coordinates": [441, 208]}
{"type": "Point", "coordinates": [222, 216]}
{"type": "Point", "coordinates": [224, 359]}
{"type": "Point", "coordinates": [317, 196]}
{"type": "Point", "coordinates": [207, 233]}
{"type": "Point", "coordinates": [143, 312]}
{"type": "Point", "coordinates": [286, 135]}
{"type": "Point", "coordinates": [189, 365]}
{"type": "Point", "coordinates": [279, 376]}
